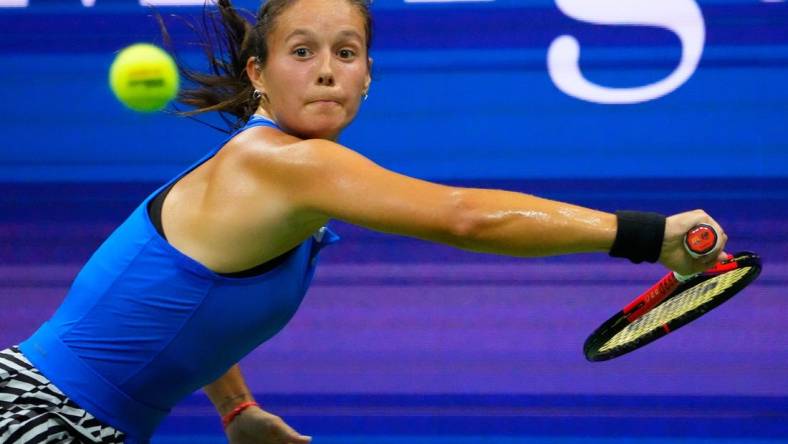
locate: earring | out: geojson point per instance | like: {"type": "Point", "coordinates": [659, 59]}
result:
{"type": "Point", "coordinates": [257, 95]}
{"type": "Point", "coordinates": [365, 96]}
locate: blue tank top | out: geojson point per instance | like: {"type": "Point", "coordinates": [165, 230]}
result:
{"type": "Point", "coordinates": [144, 325]}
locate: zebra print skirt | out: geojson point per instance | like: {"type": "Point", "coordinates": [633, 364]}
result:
{"type": "Point", "coordinates": [33, 410]}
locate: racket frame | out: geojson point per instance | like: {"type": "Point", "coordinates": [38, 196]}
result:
{"type": "Point", "coordinates": [665, 289]}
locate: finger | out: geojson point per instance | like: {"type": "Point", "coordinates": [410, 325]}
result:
{"type": "Point", "coordinates": [724, 242]}
{"type": "Point", "coordinates": [296, 437]}
{"type": "Point", "coordinates": [722, 238]}
{"type": "Point", "coordinates": [717, 253]}
{"type": "Point", "coordinates": [709, 262]}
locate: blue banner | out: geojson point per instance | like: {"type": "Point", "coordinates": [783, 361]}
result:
{"type": "Point", "coordinates": [468, 90]}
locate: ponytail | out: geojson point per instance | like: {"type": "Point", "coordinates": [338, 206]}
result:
{"type": "Point", "coordinates": [227, 39]}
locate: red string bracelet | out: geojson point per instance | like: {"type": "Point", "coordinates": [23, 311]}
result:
{"type": "Point", "coordinates": [228, 418]}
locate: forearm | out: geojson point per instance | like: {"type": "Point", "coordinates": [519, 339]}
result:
{"type": "Point", "coordinates": [516, 224]}
{"type": "Point", "coordinates": [228, 391]}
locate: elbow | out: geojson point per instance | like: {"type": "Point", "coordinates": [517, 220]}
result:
{"type": "Point", "coordinates": [464, 218]}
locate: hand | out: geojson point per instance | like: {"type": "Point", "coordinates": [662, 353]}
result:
{"type": "Point", "coordinates": [675, 256]}
{"type": "Point", "coordinates": [256, 426]}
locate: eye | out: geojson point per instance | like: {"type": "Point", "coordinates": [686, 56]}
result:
{"type": "Point", "coordinates": [346, 53]}
{"type": "Point", "coordinates": [301, 52]}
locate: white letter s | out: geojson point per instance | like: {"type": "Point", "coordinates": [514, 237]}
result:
{"type": "Point", "coordinates": [683, 17]}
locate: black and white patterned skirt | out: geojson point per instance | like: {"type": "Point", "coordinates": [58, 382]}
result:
{"type": "Point", "coordinates": [33, 410]}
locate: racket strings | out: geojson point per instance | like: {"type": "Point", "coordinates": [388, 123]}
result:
{"type": "Point", "coordinates": [675, 307]}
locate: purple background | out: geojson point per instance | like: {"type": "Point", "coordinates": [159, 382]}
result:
{"type": "Point", "coordinates": [391, 315]}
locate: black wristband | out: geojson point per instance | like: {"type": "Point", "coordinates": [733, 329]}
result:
{"type": "Point", "coordinates": [639, 236]}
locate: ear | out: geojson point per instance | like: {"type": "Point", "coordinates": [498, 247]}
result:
{"type": "Point", "coordinates": [368, 80]}
{"type": "Point", "coordinates": [254, 71]}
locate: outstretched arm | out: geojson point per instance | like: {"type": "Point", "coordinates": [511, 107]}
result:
{"type": "Point", "coordinates": [324, 178]}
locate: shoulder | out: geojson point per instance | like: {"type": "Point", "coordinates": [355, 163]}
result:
{"type": "Point", "coordinates": [266, 152]}
{"type": "Point", "coordinates": [263, 166]}
{"type": "Point", "coordinates": [319, 179]}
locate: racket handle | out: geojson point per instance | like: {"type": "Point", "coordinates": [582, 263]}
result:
{"type": "Point", "coordinates": [701, 240]}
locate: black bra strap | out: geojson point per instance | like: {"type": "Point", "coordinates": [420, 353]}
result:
{"type": "Point", "coordinates": [154, 209]}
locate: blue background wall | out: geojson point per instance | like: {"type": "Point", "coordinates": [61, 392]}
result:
{"type": "Point", "coordinates": [461, 91]}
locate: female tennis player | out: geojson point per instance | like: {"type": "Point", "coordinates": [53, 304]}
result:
{"type": "Point", "coordinates": [217, 260]}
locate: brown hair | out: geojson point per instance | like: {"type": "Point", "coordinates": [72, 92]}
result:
{"type": "Point", "coordinates": [228, 37]}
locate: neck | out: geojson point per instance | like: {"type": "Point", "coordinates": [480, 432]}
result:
{"type": "Point", "coordinates": [261, 112]}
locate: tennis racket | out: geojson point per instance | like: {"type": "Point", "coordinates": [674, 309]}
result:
{"type": "Point", "coordinates": [675, 300]}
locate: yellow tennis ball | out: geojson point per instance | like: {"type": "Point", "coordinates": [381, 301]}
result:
{"type": "Point", "coordinates": [144, 77]}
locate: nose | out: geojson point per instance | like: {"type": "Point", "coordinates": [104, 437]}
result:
{"type": "Point", "coordinates": [325, 75]}
{"type": "Point", "coordinates": [326, 79]}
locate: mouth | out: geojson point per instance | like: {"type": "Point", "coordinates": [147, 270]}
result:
{"type": "Point", "coordinates": [327, 101]}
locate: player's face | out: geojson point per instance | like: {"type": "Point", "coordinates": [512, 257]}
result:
{"type": "Point", "coordinates": [317, 68]}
